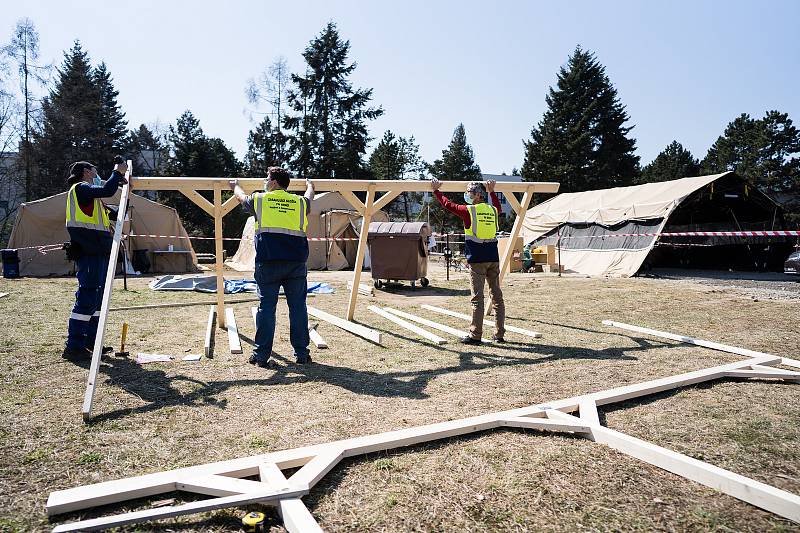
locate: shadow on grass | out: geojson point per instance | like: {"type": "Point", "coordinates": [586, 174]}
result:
{"type": "Point", "coordinates": [158, 390]}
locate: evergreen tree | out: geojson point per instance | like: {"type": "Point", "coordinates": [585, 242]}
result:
{"type": "Point", "coordinates": [764, 151]}
{"type": "Point", "coordinates": [397, 158]}
{"type": "Point", "coordinates": [149, 151]}
{"type": "Point", "coordinates": [80, 121]}
{"type": "Point", "coordinates": [674, 162]}
{"type": "Point", "coordinates": [582, 141]}
{"type": "Point", "coordinates": [265, 148]}
{"type": "Point", "coordinates": [329, 121]}
{"type": "Point", "coordinates": [457, 164]}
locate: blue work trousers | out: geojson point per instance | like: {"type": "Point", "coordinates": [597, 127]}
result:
{"type": "Point", "coordinates": [83, 320]}
{"type": "Point", "coordinates": [270, 276]}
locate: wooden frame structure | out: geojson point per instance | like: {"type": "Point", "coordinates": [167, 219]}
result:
{"type": "Point", "coordinates": [224, 481]}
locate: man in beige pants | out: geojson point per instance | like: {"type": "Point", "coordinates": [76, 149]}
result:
{"type": "Point", "coordinates": [480, 247]}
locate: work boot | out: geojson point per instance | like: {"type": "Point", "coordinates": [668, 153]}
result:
{"type": "Point", "coordinates": [471, 341]}
{"type": "Point", "coordinates": [254, 360]}
{"type": "Point", "coordinates": [106, 349]}
{"type": "Point", "coordinates": [303, 359]}
{"type": "Point", "coordinates": [499, 340]}
{"type": "Point", "coordinates": [76, 354]}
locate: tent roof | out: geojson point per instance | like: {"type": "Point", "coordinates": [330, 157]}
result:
{"type": "Point", "coordinates": [611, 206]}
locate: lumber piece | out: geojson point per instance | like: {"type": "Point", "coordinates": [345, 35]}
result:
{"type": "Point", "coordinates": [588, 411]}
{"type": "Point", "coordinates": [544, 424]}
{"type": "Point", "coordinates": [94, 366]}
{"type": "Point", "coordinates": [772, 499]}
{"type": "Point", "coordinates": [347, 325]}
{"type": "Point", "coordinates": [135, 517]}
{"type": "Point", "coordinates": [218, 264]}
{"type": "Point", "coordinates": [521, 331]}
{"type": "Point", "coordinates": [364, 290]}
{"type": "Point", "coordinates": [3, 294]}
{"type": "Point", "coordinates": [214, 485]}
{"type": "Point", "coordinates": [408, 325]}
{"type": "Point", "coordinates": [209, 339]}
{"type": "Point", "coordinates": [295, 515]}
{"type": "Point", "coordinates": [772, 373]}
{"type": "Point", "coordinates": [316, 338]}
{"type": "Point", "coordinates": [366, 216]}
{"type": "Point", "coordinates": [181, 304]}
{"type": "Point", "coordinates": [430, 323]}
{"type": "Point", "coordinates": [233, 332]}
{"type": "Point", "coordinates": [686, 339]}
{"type": "Point", "coordinates": [316, 468]}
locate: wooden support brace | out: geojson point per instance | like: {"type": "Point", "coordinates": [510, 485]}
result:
{"type": "Point", "coordinates": [229, 205]}
{"type": "Point", "coordinates": [362, 248]}
{"type": "Point", "coordinates": [408, 325]}
{"type": "Point", "coordinates": [199, 200]}
{"type": "Point", "coordinates": [384, 200]}
{"type": "Point", "coordinates": [214, 485]}
{"type": "Point", "coordinates": [352, 327]}
{"type": "Point", "coordinates": [218, 264]}
{"type": "Point", "coordinates": [209, 340]}
{"type": "Point", "coordinates": [233, 332]}
{"type": "Point", "coordinates": [316, 468]}
{"type": "Point", "coordinates": [487, 322]}
{"type": "Point", "coordinates": [430, 323]}
{"type": "Point", "coordinates": [354, 201]}
{"type": "Point", "coordinates": [294, 513]}
{"type": "Point", "coordinates": [544, 424]}
{"type": "Point", "coordinates": [94, 366]}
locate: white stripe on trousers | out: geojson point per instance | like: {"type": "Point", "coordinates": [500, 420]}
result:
{"type": "Point", "coordinates": [78, 316]}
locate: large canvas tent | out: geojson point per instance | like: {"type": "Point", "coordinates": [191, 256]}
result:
{"type": "Point", "coordinates": [331, 216]}
{"type": "Point", "coordinates": [41, 222]}
{"type": "Point", "coordinates": [593, 229]}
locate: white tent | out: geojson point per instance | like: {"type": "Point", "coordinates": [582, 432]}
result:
{"type": "Point", "coordinates": [331, 216]}
{"type": "Point", "coordinates": [587, 222]}
{"type": "Point", "coordinates": [41, 222]}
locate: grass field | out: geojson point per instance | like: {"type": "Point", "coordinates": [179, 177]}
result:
{"type": "Point", "coordinates": [160, 416]}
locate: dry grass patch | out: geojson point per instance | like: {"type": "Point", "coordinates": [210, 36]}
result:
{"type": "Point", "coordinates": [161, 416]}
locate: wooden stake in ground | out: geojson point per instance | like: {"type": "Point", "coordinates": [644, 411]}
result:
{"type": "Point", "coordinates": [88, 396]}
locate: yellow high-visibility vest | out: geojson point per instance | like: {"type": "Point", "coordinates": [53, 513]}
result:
{"type": "Point", "coordinates": [76, 218]}
{"type": "Point", "coordinates": [279, 211]}
{"type": "Point", "coordinates": [483, 223]}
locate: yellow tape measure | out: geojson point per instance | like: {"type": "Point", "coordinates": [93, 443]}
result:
{"type": "Point", "coordinates": [254, 522]}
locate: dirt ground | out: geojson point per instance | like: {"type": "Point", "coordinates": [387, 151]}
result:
{"type": "Point", "coordinates": [160, 416]}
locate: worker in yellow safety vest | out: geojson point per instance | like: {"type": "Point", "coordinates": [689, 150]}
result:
{"type": "Point", "coordinates": [281, 219]}
{"type": "Point", "coordinates": [88, 225]}
{"type": "Point", "coordinates": [480, 248]}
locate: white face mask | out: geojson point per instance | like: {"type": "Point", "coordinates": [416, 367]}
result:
{"type": "Point", "coordinates": [467, 198]}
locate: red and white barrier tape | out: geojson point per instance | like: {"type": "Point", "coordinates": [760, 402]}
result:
{"type": "Point", "coordinates": [772, 233]}
{"type": "Point", "coordinates": [233, 238]}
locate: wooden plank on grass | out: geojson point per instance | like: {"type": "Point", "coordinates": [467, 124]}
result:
{"type": "Point", "coordinates": [3, 294]}
{"type": "Point", "coordinates": [408, 325]}
{"type": "Point", "coordinates": [316, 338]}
{"type": "Point", "coordinates": [352, 327]}
{"type": "Point", "coordinates": [759, 494]}
{"type": "Point", "coordinates": [508, 327]}
{"type": "Point", "coordinates": [233, 332]}
{"type": "Point", "coordinates": [209, 340]}
{"type": "Point", "coordinates": [430, 323]}
{"type": "Point", "coordinates": [213, 485]}
{"type": "Point", "coordinates": [295, 515]}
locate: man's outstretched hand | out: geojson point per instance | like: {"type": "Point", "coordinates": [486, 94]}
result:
{"type": "Point", "coordinates": [435, 184]}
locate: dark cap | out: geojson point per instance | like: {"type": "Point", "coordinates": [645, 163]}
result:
{"type": "Point", "coordinates": [76, 171]}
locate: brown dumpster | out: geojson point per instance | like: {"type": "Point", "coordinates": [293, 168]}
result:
{"type": "Point", "coordinates": [399, 251]}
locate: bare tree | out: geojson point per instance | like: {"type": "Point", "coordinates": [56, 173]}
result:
{"type": "Point", "coordinates": [270, 88]}
{"type": "Point", "coordinates": [24, 50]}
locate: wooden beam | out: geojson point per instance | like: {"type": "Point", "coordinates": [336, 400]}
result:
{"type": "Point", "coordinates": [316, 338]}
{"type": "Point", "coordinates": [316, 468]}
{"type": "Point", "coordinates": [218, 264]}
{"type": "Point", "coordinates": [511, 199]}
{"type": "Point", "coordinates": [430, 323]}
{"type": "Point", "coordinates": [94, 366]}
{"type": "Point", "coordinates": [3, 294]}
{"type": "Point", "coordinates": [233, 331]}
{"type": "Point", "coordinates": [199, 200]}
{"type": "Point", "coordinates": [761, 495]}
{"type": "Point", "coordinates": [229, 205]}
{"type": "Point", "coordinates": [150, 183]}
{"type": "Point", "coordinates": [215, 485]}
{"type": "Point", "coordinates": [385, 199]}
{"type": "Point", "coordinates": [408, 325]}
{"type": "Point", "coordinates": [544, 424]}
{"type": "Point", "coordinates": [354, 201]}
{"type": "Point", "coordinates": [505, 261]}
{"type": "Point", "coordinates": [352, 327]}
{"type": "Point", "coordinates": [487, 322]}
{"type": "Point", "coordinates": [362, 248]}
{"type": "Point", "coordinates": [209, 339]}
{"type": "Point", "coordinates": [295, 515]}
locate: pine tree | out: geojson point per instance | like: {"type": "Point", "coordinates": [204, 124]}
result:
{"type": "Point", "coordinates": [582, 141]}
{"type": "Point", "coordinates": [111, 127]}
{"type": "Point", "coordinates": [329, 121]}
{"type": "Point", "coordinates": [265, 148]}
{"type": "Point", "coordinates": [674, 162]}
{"type": "Point", "coordinates": [457, 164]}
{"type": "Point", "coordinates": [764, 151]}
{"type": "Point", "coordinates": [149, 151]}
{"type": "Point", "coordinates": [397, 158]}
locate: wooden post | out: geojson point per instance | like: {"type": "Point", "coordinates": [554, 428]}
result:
{"type": "Point", "coordinates": [505, 261]}
{"type": "Point", "coordinates": [362, 247]}
{"type": "Point", "coordinates": [88, 396]}
{"type": "Point", "coordinates": [218, 250]}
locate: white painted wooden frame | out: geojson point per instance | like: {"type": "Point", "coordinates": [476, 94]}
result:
{"type": "Point", "coordinates": [442, 310]}
{"type": "Point", "coordinates": [223, 480]}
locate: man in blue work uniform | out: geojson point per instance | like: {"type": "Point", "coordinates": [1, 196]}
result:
{"type": "Point", "coordinates": [88, 225]}
{"type": "Point", "coordinates": [281, 255]}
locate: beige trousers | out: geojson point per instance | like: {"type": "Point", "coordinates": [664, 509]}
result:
{"type": "Point", "coordinates": [479, 274]}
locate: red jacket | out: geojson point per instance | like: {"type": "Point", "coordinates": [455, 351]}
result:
{"type": "Point", "coordinates": [461, 211]}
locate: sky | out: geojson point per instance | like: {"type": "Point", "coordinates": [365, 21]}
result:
{"type": "Point", "coordinates": [683, 69]}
